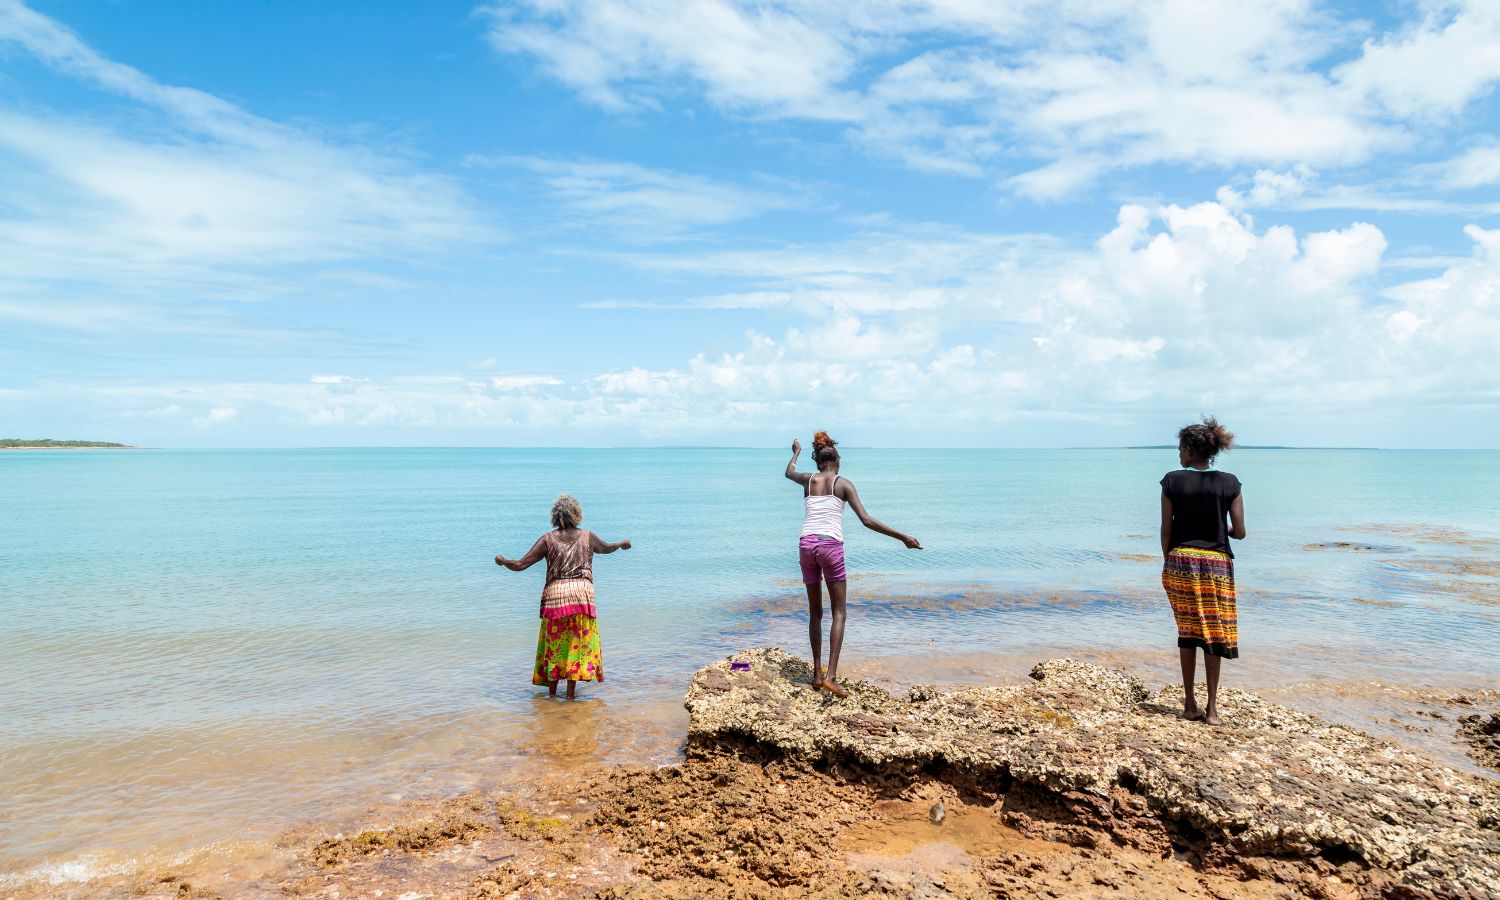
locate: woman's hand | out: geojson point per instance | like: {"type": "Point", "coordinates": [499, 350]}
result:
{"type": "Point", "coordinates": [796, 447]}
{"type": "Point", "coordinates": [624, 545]}
{"type": "Point", "coordinates": [499, 560]}
{"type": "Point", "coordinates": [911, 542]}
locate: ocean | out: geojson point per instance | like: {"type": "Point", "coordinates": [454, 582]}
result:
{"type": "Point", "coordinates": [200, 648]}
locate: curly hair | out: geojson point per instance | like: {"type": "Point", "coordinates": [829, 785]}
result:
{"type": "Point", "coordinates": [1205, 440]}
{"type": "Point", "coordinates": [825, 448]}
{"type": "Point", "coordinates": [567, 512]}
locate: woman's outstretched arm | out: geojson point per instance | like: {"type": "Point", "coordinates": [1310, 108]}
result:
{"type": "Point", "coordinates": [1166, 525]}
{"type": "Point", "coordinates": [600, 545]}
{"type": "Point", "coordinates": [851, 496]}
{"type": "Point", "coordinates": [791, 467]}
{"type": "Point", "coordinates": [537, 551]}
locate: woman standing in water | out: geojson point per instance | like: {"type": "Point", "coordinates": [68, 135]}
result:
{"type": "Point", "coordinates": [1201, 509]}
{"type": "Point", "coordinates": [821, 550]}
{"type": "Point", "coordinates": [567, 646]}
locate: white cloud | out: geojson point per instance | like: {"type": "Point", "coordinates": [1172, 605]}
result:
{"type": "Point", "coordinates": [750, 56]}
{"type": "Point", "coordinates": [1184, 307]}
{"type": "Point", "coordinates": [1078, 88]}
{"type": "Point", "coordinates": [1452, 324]}
{"type": "Point", "coordinates": [641, 203]}
{"type": "Point", "coordinates": [193, 194]}
{"type": "Point", "coordinates": [1435, 68]}
{"type": "Point", "coordinates": [219, 415]}
{"type": "Point", "coordinates": [1477, 167]}
{"type": "Point", "coordinates": [1268, 188]}
{"type": "Point", "coordinates": [518, 382]}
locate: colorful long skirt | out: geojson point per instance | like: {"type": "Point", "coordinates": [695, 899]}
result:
{"type": "Point", "coordinates": [567, 649]}
{"type": "Point", "coordinates": [1200, 584]}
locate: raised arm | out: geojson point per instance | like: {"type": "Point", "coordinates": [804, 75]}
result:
{"type": "Point", "coordinates": [1166, 524]}
{"type": "Point", "coordinates": [801, 478]}
{"type": "Point", "coordinates": [537, 551]}
{"type": "Point", "coordinates": [1237, 517]}
{"type": "Point", "coordinates": [846, 492]}
{"type": "Point", "coordinates": [600, 545]}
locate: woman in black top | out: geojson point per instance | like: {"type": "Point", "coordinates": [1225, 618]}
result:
{"type": "Point", "coordinates": [1201, 509]}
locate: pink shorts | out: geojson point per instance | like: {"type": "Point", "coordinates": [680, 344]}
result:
{"type": "Point", "coordinates": [822, 559]}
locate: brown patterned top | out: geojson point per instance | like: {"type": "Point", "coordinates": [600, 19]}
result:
{"type": "Point", "coordinates": [570, 555]}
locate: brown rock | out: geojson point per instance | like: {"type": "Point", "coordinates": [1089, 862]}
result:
{"type": "Point", "coordinates": [1087, 751]}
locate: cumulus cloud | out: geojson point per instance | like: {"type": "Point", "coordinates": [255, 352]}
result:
{"type": "Point", "coordinates": [1180, 306]}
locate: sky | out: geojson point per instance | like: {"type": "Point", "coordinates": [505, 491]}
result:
{"type": "Point", "coordinates": [952, 223]}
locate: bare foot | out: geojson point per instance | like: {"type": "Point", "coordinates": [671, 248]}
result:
{"type": "Point", "coordinates": [817, 679]}
{"type": "Point", "coordinates": [830, 685]}
{"type": "Point", "coordinates": [552, 688]}
{"type": "Point", "coordinates": [1212, 719]}
{"type": "Point", "coordinates": [572, 686]}
{"type": "Point", "coordinates": [1192, 715]}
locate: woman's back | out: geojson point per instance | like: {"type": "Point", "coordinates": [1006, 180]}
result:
{"type": "Point", "coordinates": [570, 555]}
{"type": "Point", "coordinates": [823, 513]}
{"type": "Point", "coordinates": [1200, 507]}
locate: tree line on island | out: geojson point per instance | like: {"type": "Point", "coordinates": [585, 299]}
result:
{"type": "Point", "coordinates": [50, 444]}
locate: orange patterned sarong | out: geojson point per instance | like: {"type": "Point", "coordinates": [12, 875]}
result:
{"type": "Point", "coordinates": [1200, 584]}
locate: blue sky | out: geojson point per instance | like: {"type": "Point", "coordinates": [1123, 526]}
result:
{"type": "Point", "coordinates": [944, 223]}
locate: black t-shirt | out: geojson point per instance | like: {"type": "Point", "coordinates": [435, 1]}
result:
{"type": "Point", "coordinates": [1200, 507]}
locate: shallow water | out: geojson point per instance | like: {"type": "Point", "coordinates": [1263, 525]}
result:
{"type": "Point", "coordinates": [205, 646]}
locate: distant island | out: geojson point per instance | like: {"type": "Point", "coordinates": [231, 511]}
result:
{"type": "Point", "coordinates": [50, 444]}
{"type": "Point", "coordinates": [1238, 447]}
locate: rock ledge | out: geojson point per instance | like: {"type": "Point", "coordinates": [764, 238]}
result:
{"type": "Point", "coordinates": [1086, 751]}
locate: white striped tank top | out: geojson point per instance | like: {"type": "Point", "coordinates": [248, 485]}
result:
{"type": "Point", "coordinates": [825, 514]}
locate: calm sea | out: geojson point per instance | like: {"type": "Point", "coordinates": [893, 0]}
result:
{"type": "Point", "coordinates": [201, 646]}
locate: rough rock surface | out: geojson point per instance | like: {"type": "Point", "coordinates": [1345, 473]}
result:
{"type": "Point", "coordinates": [1482, 734]}
{"type": "Point", "coordinates": [1086, 751]}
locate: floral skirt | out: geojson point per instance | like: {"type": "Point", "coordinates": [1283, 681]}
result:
{"type": "Point", "coordinates": [567, 649]}
{"type": "Point", "coordinates": [1200, 585]}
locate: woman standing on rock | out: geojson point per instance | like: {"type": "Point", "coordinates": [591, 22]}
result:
{"type": "Point", "coordinates": [1201, 509]}
{"type": "Point", "coordinates": [567, 646]}
{"type": "Point", "coordinates": [821, 550]}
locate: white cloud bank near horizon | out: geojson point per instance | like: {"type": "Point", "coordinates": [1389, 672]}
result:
{"type": "Point", "coordinates": [1187, 307]}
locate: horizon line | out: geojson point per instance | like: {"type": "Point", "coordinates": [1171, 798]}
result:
{"type": "Point", "coordinates": [754, 447]}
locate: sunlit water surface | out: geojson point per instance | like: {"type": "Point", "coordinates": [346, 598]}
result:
{"type": "Point", "coordinates": [199, 646]}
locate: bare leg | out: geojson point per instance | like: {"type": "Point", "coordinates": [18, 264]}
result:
{"type": "Point", "coordinates": [552, 688]}
{"type": "Point", "coordinates": [572, 688]}
{"type": "Point", "coordinates": [1189, 656]}
{"type": "Point", "coordinates": [837, 591]}
{"type": "Point", "coordinates": [1211, 668]}
{"type": "Point", "coordinates": [815, 630]}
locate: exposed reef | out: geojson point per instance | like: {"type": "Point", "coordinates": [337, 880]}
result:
{"type": "Point", "coordinates": [1089, 756]}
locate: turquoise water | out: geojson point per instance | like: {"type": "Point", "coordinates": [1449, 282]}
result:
{"type": "Point", "coordinates": [199, 645]}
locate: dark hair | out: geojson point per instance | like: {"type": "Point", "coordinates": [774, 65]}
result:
{"type": "Point", "coordinates": [825, 448]}
{"type": "Point", "coordinates": [1206, 440]}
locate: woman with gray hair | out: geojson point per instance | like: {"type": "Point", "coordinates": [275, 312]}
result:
{"type": "Point", "coordinates": [568, 645]}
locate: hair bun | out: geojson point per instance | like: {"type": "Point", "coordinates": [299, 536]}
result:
{"type": "Point", "coordinates": [821, 440]}
{"type": "Point", "coordinates": [1222, 437]}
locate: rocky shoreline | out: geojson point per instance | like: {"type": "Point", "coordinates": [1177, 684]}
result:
{"type": "Point", "coordinates": [1079, 784]}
